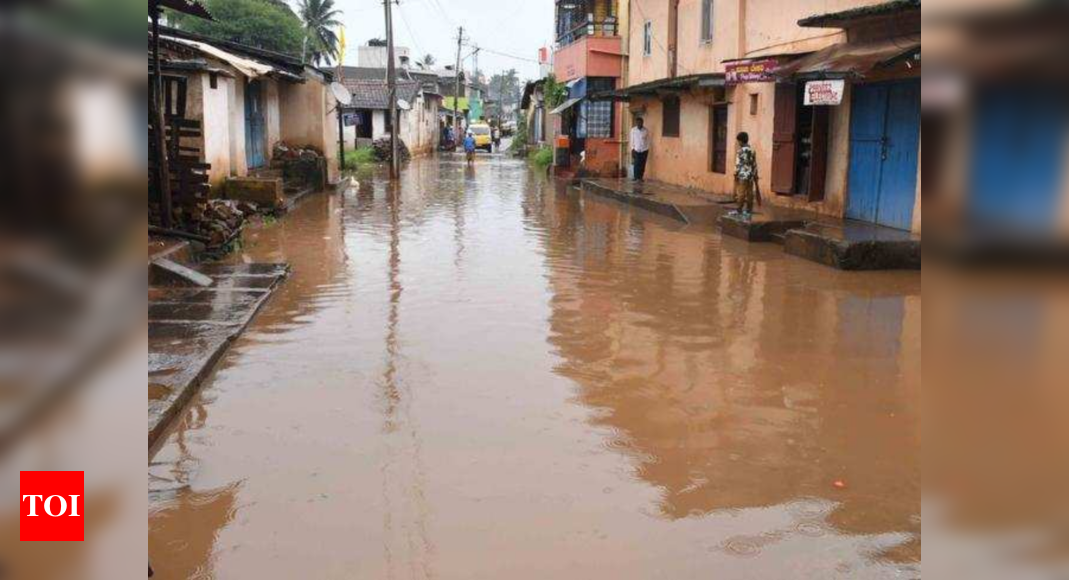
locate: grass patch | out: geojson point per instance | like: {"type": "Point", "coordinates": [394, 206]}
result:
{"type": "Point", "coordinates": [542, 158]}
{"type": "Point", "coordinates": [360, 157]}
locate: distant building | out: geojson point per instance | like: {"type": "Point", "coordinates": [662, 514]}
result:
{"type": "Point", "coordinates": [374, 55]}
{"type": "Point", "coordinates": [589, 58]}
{"type": "Point", "coordinates": [368, 118]}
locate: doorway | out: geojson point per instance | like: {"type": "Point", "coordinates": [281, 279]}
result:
{"type": "Point", "coordinates": [884, 144]}
{"type": "Point", "coordinates": [254, 125]}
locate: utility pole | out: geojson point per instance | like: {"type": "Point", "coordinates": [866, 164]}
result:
{"type": "Point", "coordinates": [391, 81]}
{"type": "Point", "coordinates": [456, 91]}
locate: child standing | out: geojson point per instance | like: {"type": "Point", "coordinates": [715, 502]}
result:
{"type": "Point", "coordinates": [745, 175]}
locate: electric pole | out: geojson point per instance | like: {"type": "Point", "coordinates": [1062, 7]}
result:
{"type": "Point", "coordinates": [391, 81]}
{"type": "Point", "coordinates": [456, 91]}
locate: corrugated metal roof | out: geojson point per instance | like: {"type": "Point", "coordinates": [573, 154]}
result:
{"type": "Point", "coordinates": [850, 58]}
{"type": "Point", "coordinates": [838, 19]}
{"type": "Point", "coordinates": [668, 84]}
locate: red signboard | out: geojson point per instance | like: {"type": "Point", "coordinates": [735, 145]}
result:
{"type": "Point", "coordinates": [52, 506]}
{"type": "Point", "coordinates": [758, 70]}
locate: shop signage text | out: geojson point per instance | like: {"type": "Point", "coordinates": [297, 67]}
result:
{"type": "Point", "coordinates": [751, 71]}
{"type": "Point", "coordinates": [824, 92]}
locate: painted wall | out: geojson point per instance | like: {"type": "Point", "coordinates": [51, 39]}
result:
{"type": "Point", "coordinates": [698, 56]}
{"type": "Point", "coordinates": [308, 119]}
{"type": "Point", "coordinates": [648, 68]}
{"type": "Point", "coordinates": [238, 163]}
{"type": "Point", "coordinates": [593, 56]}
{"type": "Point", "coordinates": [211, 107]}
{"type": "Point", "coordinates": [272, 117]}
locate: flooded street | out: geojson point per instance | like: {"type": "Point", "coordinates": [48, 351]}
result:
{"type": "Point", "coordinates": [479, 374]}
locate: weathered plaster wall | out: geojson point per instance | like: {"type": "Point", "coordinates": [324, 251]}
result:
{"type": "Point", "coordinates": [308, 119]}
{"type": "Point", "coordinates": [272, 117]}
{"type": "Point", "coordinates": [597, 56]}
{"type": "Point", "coordinates": [655, 66]}
{"type": "Point", "coordinates": [212, 108]}
{"type": "Point", "coordinates": [238, 164]}
{"type": "Point", "coordinates": [697, 56]}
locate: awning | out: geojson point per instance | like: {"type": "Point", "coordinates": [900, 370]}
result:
{"type": "Point", "coordinates": [662, 85]}
{"type": "Point", "coordinates": [851, 59]}
{"type": "Point", "coordinates": [565, 106]}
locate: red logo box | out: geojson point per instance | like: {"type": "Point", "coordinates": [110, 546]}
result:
{"type": "Point", "coordinates": [52, 506]}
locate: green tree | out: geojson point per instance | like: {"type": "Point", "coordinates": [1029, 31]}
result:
{"type": "Point", "coordinates": [320, 18]}
{"type": "Point", "coordinates": [428, 60]}
{"type": "Point", "coordinates": [265, 24]}
{"type": "Point", "coordinates": [505, 87]}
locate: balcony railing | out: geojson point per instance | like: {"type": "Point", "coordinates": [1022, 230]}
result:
{"type": "Point", "coordinates": [607, 27]}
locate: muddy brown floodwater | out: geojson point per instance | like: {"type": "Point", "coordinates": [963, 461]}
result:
{"type": "Point", "coordinates": [480, 374]}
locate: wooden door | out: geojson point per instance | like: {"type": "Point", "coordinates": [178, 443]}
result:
{"type": "Point", "coordinates": [718, 138]}
{"type": "Point", "coordinates": [784, 139]}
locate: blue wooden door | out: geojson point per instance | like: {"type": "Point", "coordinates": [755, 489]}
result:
{"type": "Point", "coordinates": [884, 143]}
{"type": "Point", "coordinates": [1017, 152]}
{"type": "Point", "coordinates": [254, 125]}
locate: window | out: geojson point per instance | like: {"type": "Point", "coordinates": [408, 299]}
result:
{"type": "Point", "coordinates": [647, 39]}
{"type": "Point", "coordinates": [670, 117]}
{"type": "Point", "coordinates": [707, 21]}
{"type": "Point", "coordinates": [718, 139]}
{"type": "Point", "coordinates": [598, 117]}
{"type": "Point", "coordinates": [753, 103]}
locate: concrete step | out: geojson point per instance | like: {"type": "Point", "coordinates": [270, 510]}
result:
{"type": "Point", "coordinates": [761, 226]}
{"type": "Point", "coordinates": [855, 246]}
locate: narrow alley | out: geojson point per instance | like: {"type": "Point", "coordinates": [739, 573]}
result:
{"type": "Point", "coordinates": [479, 373]}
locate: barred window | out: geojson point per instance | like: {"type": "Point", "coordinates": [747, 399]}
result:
{"type": "Point", "coordinates": [598, 119]}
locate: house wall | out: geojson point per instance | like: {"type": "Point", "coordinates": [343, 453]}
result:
{"type": "Point", "coordinates": [308, 118]}
{"type": "Point", "coordinates": [655, 66]}
{"type": "Point", "coordinates": [378, 124]}
{"type": "Point", "coordinates": [593, 56]}
{"type": "Point", "coordinates": [238, 164]}
{"type": "Point", "coordinates": [212, 108]}
{"type": "Point", "coordinates": [272, 117]}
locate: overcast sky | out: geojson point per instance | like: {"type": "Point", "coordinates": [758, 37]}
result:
{"type": "Point", "coordinates": [514, 27]}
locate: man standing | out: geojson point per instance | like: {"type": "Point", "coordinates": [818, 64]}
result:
{"type": "Point", "coordinates": [640, 148]}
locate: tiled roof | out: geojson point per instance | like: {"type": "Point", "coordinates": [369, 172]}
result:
{"type": "Point", "coordinates": [373, 94]}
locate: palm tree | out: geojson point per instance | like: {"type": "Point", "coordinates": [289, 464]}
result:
{"type": "Point", "coordinates": [320, 18]}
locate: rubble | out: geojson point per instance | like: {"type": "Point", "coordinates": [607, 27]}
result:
{"type": "Point", "coordinates": [383, 150]}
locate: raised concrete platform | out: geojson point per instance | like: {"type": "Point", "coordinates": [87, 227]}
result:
{"type": "Point", "coordinates": [191, 327]}
{"type": "Point", "coordinates": [850, 245]}
{"type": "Point", "coordinates": [765, 225]}
{"type": "Point", "coordinates": [686, 205]}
